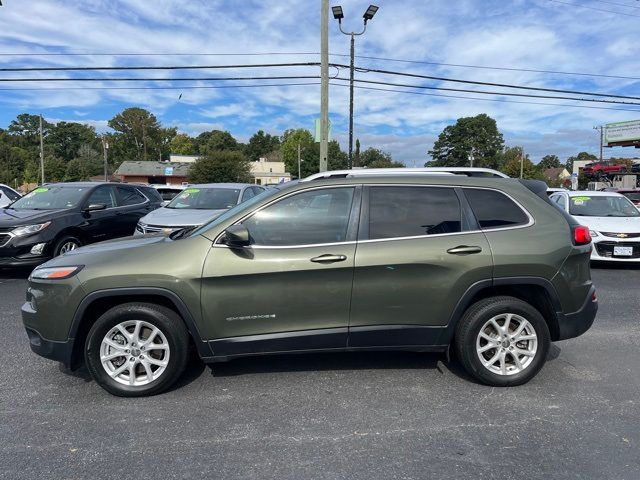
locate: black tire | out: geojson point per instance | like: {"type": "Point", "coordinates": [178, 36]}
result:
{"type": "Point", "coordinates": [57, 250]}
{"type": "Point", "coordinates": [169, 324]}
{"type": "Point", "coordinates": [468, 330]}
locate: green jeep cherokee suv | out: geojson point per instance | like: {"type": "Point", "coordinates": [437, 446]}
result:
{"type": "Point", "coordinates": [486, 266]}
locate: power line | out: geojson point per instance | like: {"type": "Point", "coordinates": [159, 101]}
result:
{"type": "Point", "coordinates": [160, 79]}
{"type": "Point", "coordinates": [181, 87]}
{"type": "Point", "coordinates": [177, 54]}
{"type": "Point", "coordinates": [617, 4]}
{"type": "Point", "coordinates": [594, 8]}
{"type": "Point", "coordinates": [484, 92]}
{"type": "Point", "coordinates": [489, 99]}
{"type": "Point", "coordinates": [147, 67]}
{"type": "Point", "coordinates": [490, 84]}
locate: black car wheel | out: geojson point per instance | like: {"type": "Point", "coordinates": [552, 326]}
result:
{"type": "Point", "coordinates": [66, 244]}
{"type": "Point", "coordinates": [502, 341]}
{"type": "Point", "coordinates": [137, 349]}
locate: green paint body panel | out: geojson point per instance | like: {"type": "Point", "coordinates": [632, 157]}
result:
{"type": "Point", "coordinates": [252, 291]}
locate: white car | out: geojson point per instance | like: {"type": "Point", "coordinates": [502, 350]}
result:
{"type": "Point", "coordinates": [613, 221]}
{"type": "Point", "coordinates": [7, 195]}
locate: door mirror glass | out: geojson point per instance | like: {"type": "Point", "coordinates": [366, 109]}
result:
{"type": "Point", "coordinates": [236, 236]}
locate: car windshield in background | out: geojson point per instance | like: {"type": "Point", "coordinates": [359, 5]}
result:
{"type": "Point", "coordinates": [206, 198]}
{"type": "Point", "coordinates": [602, 206]}
{"type": "Point", "coordinates": [633, 196]}
{"type": "Point", "coordinates": [50, 198]}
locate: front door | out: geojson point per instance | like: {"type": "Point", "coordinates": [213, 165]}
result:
{"type": "Point", "coordinates": [291, 289]}
{"type": "Point", "coordinates": [99, 224]}
{"type": "Point", "coordinates": [417, 255]}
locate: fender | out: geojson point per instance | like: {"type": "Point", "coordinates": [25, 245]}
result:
{"type": "Point", "coordinates": [203, 347]}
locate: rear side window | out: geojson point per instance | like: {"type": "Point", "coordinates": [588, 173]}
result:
{"type": "Point", "coordinates": [102, 196]}
{"type": "Point", "coordinates": [494, 209]}
{"type": "Point", "coordinates": [151, 193]}
{"type": "Point", "coordinates": [130, 196]}
{"type": "Point", "coordinates": [412, 211]}
{"type": "Point", "coordinates": [11, 195]}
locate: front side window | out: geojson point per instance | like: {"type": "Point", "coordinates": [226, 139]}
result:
{"type": "Point", "coordinates": [306, 218]}
{"type": "Point", "coordinates": [413, 211]}
{"type": "Point", "coordinates": [51, 197]}
{"type": "Point", "coordinates": [102, 196]}
{"type": "Point", "coordinates": [494, 209]}
{"type": "Point", "coordinates": [602, 206]}
{"type": "Point", "coordinates": [202, 198]}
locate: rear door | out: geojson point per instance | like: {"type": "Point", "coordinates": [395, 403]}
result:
{"type": "Point", "coordinates": [132, 206]}
{"type": "Point", "coordinates": [418, 252]}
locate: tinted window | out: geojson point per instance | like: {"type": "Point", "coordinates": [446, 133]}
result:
{"type": "Point", "coordinates": [102, 196]}
{"type": "Point", "coordinates": [130, 196]}
{"type": "Point", "coordinates": [247, 194]}
{"type": "Point", "coordinates": [151, 193]}
{"type": "Point", "coordinates": [602, 206]}
{"type": "Point", "coordinates": [562, 201]}
{"type": "Point", "coordinates": [412, 211]}
{"type": "Point", "coordinates": [257, 190]}
{"type": "Point", "coordinates": [316, 216]}
{"type": "Point", "coordinates": [494, 209]}
{"type": "Point", "coordinates": [168, 193]}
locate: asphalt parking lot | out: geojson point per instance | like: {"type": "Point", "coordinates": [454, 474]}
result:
{"type": "Point", "coordinates": [365, 415]}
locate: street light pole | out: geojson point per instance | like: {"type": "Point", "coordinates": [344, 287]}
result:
{"type": "Point", "coordinates": [299, 160]}
{"type": "Point", "coordinates": [41, 153]}
{"type": "Point", "coordinates": [339, 15]}
{"type": "Point", "coordinates": [324, 85]}
{"type": "Point", "coordinates": [105, 147]}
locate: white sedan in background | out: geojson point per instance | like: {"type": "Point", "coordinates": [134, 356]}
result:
{"type": "Point", "coordinates": [613, 221]}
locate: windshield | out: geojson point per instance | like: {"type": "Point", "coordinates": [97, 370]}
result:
{"type": "Point", "coordinates": [52, 197]}
{"type": "Point", "coordinates": [244, 206]}
{"type": "Point", "coordinates": [206, 198]}
{"type": "Point", "coordinates": [602, 206]}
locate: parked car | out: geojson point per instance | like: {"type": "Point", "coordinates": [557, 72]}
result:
{"type": "Point", "coordinates": [7, 195]}
{"type": "Point", "coordinates": [631, 194]}
{"type": "Point", "coordinates": [57, 218]}
{"type": "Point", "coordinates": [168, 192]}
{"type": "Point", "coordinates": [422, 262]}
{"type": "Point", "coordinates": [597, 169]}
{"type": "Point", "coordinates": [613, 221]}
{"type": "Point", "coordinates": [552, 190]}
{"type": "Point", "coordinates": [195, 205]}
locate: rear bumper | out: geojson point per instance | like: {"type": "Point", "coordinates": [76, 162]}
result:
{"type": "Point", "coordinates": [574, 324]}
{"type": "Point", "coordinates": [53, 350]}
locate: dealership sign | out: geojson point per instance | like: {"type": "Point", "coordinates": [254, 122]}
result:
{"type": "Point", "coordinates": [622, 133]}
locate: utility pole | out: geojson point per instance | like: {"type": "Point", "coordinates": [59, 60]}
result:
{"type": "Point", "coordinates": [299, 160]}
{"type": "Point", "coordinates": [471, 158]}
{"type": "Point", "coordinates": [521, 164]}
{"type": "Point", "coordinates": [41, 152]}
{"type": "Point", "coordinates": [601, 128]}
{"type": "Point", "coordinates": [338, 14]}
{"type": "Point", "coordinates": [105, 148]}
{"type": "Point", "coordinates": [324, 84]}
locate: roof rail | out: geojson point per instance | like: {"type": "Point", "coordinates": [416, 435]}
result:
{"type": "Point", "coordinates": [365, 172]}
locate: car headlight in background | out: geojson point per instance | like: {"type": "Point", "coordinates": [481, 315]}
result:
{"type": "Point", "coordinates": [29, 229]}
{"type": "Point", "coordinates": [55, 273]}
{"type": "Point", "coordinates": [593, 233]}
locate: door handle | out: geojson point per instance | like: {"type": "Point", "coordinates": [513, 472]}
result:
{"type": "Point", "coordinates": [464, 250]}
{"type": "Point", "coordinates": [328, 258]}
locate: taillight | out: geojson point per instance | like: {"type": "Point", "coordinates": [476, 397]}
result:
{"type": "Point", "coordinates": [581, 235]}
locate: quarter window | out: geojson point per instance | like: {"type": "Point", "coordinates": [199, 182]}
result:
{"type": "Point", "coordinates": [494, 209]}
{"type": "Point", "coordinates": [311, 217]}
{"type": "Point", "coordinates": [413, 211]}
{"type": "Point", "coordinates": [102, 196]}
{"type": "Point", "coordinates": [248, 193]}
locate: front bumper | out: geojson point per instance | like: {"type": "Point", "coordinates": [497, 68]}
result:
{"type": "Point", "coordinates": [574, 324]}
{"type": "Point", "coordinates": [60, 351]}
{"type": "Point", "coordinates": [26, 261]}
{"type": "Point", "coordinates": [603, 249]}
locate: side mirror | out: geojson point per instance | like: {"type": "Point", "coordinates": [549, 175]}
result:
{"type": "Point", "coordinates": [95, 206]}
{"type": "Point", "coordinates": [236, 236]}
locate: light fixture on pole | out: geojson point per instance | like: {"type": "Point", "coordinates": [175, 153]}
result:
{"type": "Point", "coordinates": [338, 14]}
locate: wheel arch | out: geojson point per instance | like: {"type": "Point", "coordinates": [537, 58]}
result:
{"type": "Point", "coordinates": [536, 291]}
{"type": "Point", "coordinates": [96, 303]}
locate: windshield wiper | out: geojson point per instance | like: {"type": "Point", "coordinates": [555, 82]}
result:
{"type": "Point", "coordinates": [181, 233]}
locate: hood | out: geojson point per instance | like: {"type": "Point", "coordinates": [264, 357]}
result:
{"type": "Point", "coordinates": [611, 224]}
{"type": "Point", "coordinates": [180, 217]}
{"type": "Point", "coordinates": [15, 218]}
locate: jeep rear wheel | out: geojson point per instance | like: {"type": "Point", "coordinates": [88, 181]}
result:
{"type": "Point", "coordinates": [137, 349]}
{"type": "Point", "coordinates": [502, 341]}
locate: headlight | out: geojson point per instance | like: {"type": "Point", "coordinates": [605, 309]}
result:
{"type": "Point", "coordinates": [29, 229]}
{"type": "Point", "coordinates": [55, 273]}
{"type": "Point", "coordinates": [593, 233]}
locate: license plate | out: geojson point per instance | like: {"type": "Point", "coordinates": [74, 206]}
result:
{"type": "Point", "coordinates": [623, 251]}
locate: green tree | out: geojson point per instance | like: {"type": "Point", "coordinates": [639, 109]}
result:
{"type": "Point", "coordinates": [376, 158]}
{"type": "Point", "coordinates": [65, 139]}
{"type": "Point", "coordinates": [86, 165]}
{"type": "Point", "coordinates": [27, 128]}
{"type": "Point", "coordinates": [140, 133]}
{"type": "Point", "coordinates": [511, 158]}
{"type": "Point", "coordinates": [54, 169]}
{"type": "Point", "coordinates": [477, 135]}
{"type": "Point", "coordinates": [215, 140]}
{"type": "Point", "coordinates": [261, 144]}
{"type": "Point", "coordinates": [549, 161]}
{"type": "Point", "coordinates": [221, 166]}
{"type": "Point", "coordinates": [308, 152]}
{"type": "Point", "coordinates": [182, 144]}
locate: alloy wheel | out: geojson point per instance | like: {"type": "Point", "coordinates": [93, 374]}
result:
{"type": "Point", "coordinates": [68, 246]}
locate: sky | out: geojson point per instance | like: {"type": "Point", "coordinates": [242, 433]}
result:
{"type": "Point", "coordinates": [550, 35]}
